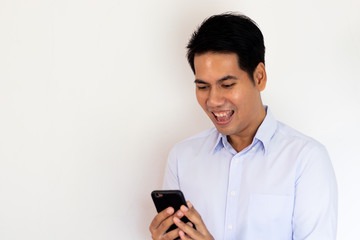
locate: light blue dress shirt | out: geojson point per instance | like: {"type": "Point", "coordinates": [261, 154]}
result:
{"type": "Point", "coordinates": [281, 187]}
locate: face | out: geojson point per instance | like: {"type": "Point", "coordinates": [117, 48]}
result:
{"type": "Point", "coordinates": [228, 95]}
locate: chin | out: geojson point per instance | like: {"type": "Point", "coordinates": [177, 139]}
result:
{"type": "Point", "coordinates": [224, 130]}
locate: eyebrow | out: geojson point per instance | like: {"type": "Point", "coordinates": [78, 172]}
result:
{"type": "Point", "coordinates": [227, 77]}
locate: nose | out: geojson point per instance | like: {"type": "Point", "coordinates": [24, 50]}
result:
{"type": "Point", "coordinates": [215, 98]}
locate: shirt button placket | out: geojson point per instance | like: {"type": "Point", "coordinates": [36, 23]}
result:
{"type": "Point", "coordinates": [233, 197]}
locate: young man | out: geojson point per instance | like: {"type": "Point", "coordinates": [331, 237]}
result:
{"type": "Point", "coordinates": [251, 177]}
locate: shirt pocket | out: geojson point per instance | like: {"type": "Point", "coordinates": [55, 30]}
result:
{"type": "Point", "coordinates": [270, 216]}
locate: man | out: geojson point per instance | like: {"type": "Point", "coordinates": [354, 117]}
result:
{"type": "Point", "coordinates": [251, 177]}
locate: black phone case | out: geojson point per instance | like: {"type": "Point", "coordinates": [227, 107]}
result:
{"type": "Point", "coordinates": [166, 198]}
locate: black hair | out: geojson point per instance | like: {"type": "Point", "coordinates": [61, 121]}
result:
{"type": "Point", "coordinates": [229, 33]}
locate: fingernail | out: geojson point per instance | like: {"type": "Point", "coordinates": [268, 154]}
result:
{"type": "Point", "coordinates": [180, 214]}
{"type": "Point", "coordinates": [184, 208]}
{"type": "Point", "coordinates": [176, 219]}
{"type": "Point", "coordinates": [170, 210]}
{"type": "Point", "coordinates": [189, 204]}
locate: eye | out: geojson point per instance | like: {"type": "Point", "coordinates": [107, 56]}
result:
{"type": "Point", "coordinates": [201, 87]}
{"type": "Point", "coordinates": [228, 85]}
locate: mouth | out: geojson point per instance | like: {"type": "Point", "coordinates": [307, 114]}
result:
{"type": "Point", "coordinates": [222, 117]}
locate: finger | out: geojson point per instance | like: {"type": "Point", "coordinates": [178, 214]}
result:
{"type": "Point", "coordinates": [160, 217]}
{"type": "Point", "coordinates": [173, 234]}
{"type": "Point", "coordinates": [191, 213]}
{"type": "Point", "coordinates": [161, 231]}
{"type": "Point", "coordinates": [190, 224]}
{"type": "Point", "coordinates": [186, 228]}
{"type": "Point", "coordinates": [180, 214]}
{"type": "Point", "coordinates": [183, 236]}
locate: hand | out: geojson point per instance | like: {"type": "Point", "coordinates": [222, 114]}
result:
{"type": "Point", "coordinates": [186, 232]}
{"type": "Point", "coordinates": [161, 223]}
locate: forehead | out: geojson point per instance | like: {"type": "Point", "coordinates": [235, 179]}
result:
{"type": "Point", "coordinates": [216, 65]}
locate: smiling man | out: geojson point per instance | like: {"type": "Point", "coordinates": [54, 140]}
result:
{"type": "Point", "coordinates": [250, 177]}
{"type": "Point", "coordinates": [229, 96]}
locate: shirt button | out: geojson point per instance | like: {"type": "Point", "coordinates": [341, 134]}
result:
{"type": "Point", "coordinates": [253, 148]}
{"type": "Point", "coordinates": [229, 226]}
{"type": "Point", "coordinates": [233, 193]}
{"type": "Point", "coordinates": [236, 160]}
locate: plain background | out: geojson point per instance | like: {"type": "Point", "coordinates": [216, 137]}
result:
{"type": "Point", "coordinates": [93, 95]}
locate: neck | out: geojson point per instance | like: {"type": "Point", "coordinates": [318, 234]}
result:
{"type": "Point", "coordinates": [242, 140]}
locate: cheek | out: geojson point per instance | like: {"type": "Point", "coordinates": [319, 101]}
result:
{"type": "Point", "coordinates": [236, 98]}
{"type": "Point", "coordinates": [245, 102]}
{"type": "Point", "coordinates": [244, 95]}
{"type": "Point", "coordinates": [201, 98]}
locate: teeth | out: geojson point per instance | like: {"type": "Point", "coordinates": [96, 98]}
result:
{"type": "Point", "coordinates": [222, 114]}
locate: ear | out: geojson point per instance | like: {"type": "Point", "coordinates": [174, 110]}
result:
{"type": "Point", "coordinates": [260, 77]}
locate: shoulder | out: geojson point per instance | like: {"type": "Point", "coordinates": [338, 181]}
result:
{"type": "Point", "coordinates": [292, 136]}
{"type": "Point", "coordinates": [303, 148]}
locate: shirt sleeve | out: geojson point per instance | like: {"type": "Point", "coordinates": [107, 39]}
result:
{"type": "Point", "coordinates": [171, 180]}
{"type": "Point", "coordinates": [315, 209]}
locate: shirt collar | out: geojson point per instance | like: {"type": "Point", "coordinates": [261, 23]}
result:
{"type": "Point", "coordinates": [220, 142]}
{"type": "Point", "coordinates": [267, 129]}
{"type": "Point", "coordinates": [264, 133]}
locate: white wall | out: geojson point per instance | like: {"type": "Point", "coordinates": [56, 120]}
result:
{"type": "Point", "coordinates": [93, 94]}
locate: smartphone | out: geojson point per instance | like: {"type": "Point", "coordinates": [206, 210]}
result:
{"type": "Point", "coordinates": [169, 198]}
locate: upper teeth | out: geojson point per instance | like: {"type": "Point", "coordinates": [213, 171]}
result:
{"type": "Point", "coordinates": [222, 114]}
